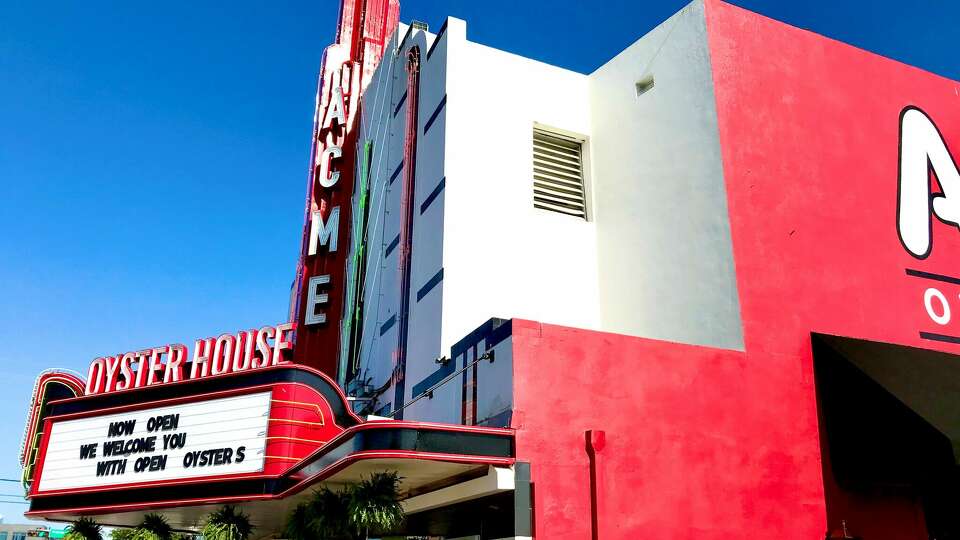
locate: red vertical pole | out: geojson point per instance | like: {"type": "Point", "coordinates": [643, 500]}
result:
{"type": "Point", "coordinates": [596, 440]}
{"type": "Point", "coordinates": [406, 225]}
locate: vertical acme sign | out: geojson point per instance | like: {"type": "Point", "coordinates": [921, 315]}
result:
{"type": "Point", "coordinates": [347, 67]}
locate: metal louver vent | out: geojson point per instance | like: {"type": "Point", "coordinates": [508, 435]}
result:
{"type": "Point", "coordinates": [558, 174]}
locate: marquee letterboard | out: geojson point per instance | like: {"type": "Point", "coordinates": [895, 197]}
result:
{"type": "Point", "coordinates": [192, 440]}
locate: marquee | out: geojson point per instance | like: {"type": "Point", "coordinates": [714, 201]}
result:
{"type": "Point", "coordinates": [259, 436]}
{"type": "Point", "coordinates": [189, 440]}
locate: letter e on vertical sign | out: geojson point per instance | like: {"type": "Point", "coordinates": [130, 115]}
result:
{"type": "Point", "coordinates": [315, 299]}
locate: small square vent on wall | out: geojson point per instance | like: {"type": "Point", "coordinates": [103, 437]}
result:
{"type": "Point", "coordinates": [644, 85]}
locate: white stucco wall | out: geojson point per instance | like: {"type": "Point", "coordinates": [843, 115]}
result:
{"type": "Point", "coordinates": [654, 259]}
{"type": "Point", "coordinates": [663, 234]}
{"type": "Point", "coordinates": [504, 257]}
{"type": "Point", "coordinates": [499, 255]}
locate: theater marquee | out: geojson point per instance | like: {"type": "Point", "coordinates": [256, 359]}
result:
{"type": "Point", "coordinates": [192, 440]}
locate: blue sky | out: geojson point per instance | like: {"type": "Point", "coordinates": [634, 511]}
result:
{"type": "Point", "coordinates": [153, 155]}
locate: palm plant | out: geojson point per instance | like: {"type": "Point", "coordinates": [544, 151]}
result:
{"type": "Point", "coordinates": [324, 516]}
{"type": "Point", "coordinates": [123, 534]}
{"type": "Point", "coordinates": [153, 527]}
{"type": "Point", "coordinates": [227, 523]}
{"type": "Point", "coordinates": [328, 510]}
{"type": "Point", "coordinates": [371, 506]}
{"type": "Point", "coordinates": [374, 505]}
{"type": "Point", "coordinates": [299, 524]}
{"type": "Point", "coordinates": [84, 529]}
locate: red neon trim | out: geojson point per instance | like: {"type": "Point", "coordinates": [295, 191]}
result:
{"type": "Point", "coordinates": [72, 382]}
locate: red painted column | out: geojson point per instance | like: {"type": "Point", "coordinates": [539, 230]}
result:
{"type": "Point", "coordinates": [406, 225]}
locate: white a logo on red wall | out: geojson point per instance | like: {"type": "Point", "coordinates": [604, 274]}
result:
{"type": "Point", "coordinates": [922, 150]}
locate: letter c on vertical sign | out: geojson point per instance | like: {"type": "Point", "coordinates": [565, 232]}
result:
{"type": "Point", "coordinates": [328, 178]}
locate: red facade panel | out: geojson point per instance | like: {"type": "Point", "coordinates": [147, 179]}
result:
{"type": "Point", "coordinates": [707, 443]}
{"type": "Point", "coordinates": [809, 132]}
{"type": "Point", "coordinates": [699, 442]}
{"type": "Point", "coordinates": [814, 145]}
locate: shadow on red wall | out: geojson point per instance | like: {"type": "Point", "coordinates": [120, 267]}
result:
{"type": "Point", "coordinates": [888, 472]}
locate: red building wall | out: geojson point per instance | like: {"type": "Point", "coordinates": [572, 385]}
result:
{"type": "Point", "coordinates": [809, 133]}
{"type": "Point", "coordinates": [810, 137]}
{"type": "Point", "coordinates": [705, 443]}
{"type": "Point", "coordinates": [700, 443]}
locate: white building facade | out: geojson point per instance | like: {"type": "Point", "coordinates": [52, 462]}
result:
{"type": "Point", "coordinates": [591, 201]}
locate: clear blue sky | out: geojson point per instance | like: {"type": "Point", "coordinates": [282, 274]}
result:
{"type": "Point", "coordinates": [153, 155]}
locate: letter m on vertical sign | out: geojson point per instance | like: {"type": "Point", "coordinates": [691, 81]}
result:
{"type": "Point", "coordinates": [324, 234]}
{"type": "Point", "coordinates": [922, 152]}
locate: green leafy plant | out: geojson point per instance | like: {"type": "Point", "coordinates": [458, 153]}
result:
{"type": "Point", "coordinates": [123, 534]}
{"type": "Point", "coordinates": [84, 529]}
{"type": "Point", "coordinates": [126, 533]}
{"type": "Point", "coordinates": [329, 512]}
{"type": "Point", "coordinates": [374, 505]}
{"type": "Point", "coordinates": [324, 516]}
{"type": "Point", "coordinates": [299, 523]}
{"type": "Point", "coordinates": [153, 527]}
{"type": "Point", "coordinates": [369, 507]}
{"type": "Point", "coordinates": [227, 523]}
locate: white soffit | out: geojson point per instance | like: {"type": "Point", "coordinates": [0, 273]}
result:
{"type": "Point", "coordinates": [496, 480]}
